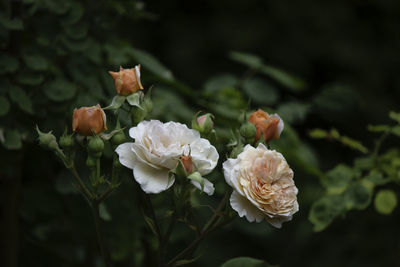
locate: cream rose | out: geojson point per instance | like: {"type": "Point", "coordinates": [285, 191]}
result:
{"type": "Point", "coordinates": [263, 185]}
{"type": "Point", "coordinates": [157, 149]}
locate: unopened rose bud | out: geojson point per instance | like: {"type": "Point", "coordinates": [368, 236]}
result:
{"type": "Point", "coordinates": [95, 146]}
{"type": "Point", "coordinates": [89, 120]}
{"type": "Point", "coordinates": [270, 126]}
{"type": "Point", "coordinates": [118, 138]}
{"type": "Point", "coordinates": [66, 141]}
{"type": "Point", "coordinates": [187, 164]}
{"type": "Point", "coordinates": [47, 139]}
{"type": "Point", "coordinates": [204, 124]}
{"type": "Point", "coordinates": [127, 81]}
{"type": "Point", "coordinates": [248, 131]}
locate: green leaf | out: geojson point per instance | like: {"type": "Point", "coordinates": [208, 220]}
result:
{"type": "Point", "coordinates": [325, 210]}
{"type": "Point", "coordinates": [377, 178]}
{"type": "Point", "coordinates": [396, 130]}
{"type": "Point", "coordinates": [378, 128]}
{"type": "Point", "coordinates": [394, 116]}
{"type": "Point", "coordinates": [11, 24]}
{"type": "Point", "coordinates": [184, 262]}
{"type": "Point", "coordinates": [4, 106]}
{"type": "Point", "coordinates": [29, 78]}
{"type": "Point", "coordinates": [245, 262]}
{"type": "Point", "coordinates": [58, 7]}
{"type": "Point", "coordinates": [8, 64]}
{"type": "Point", "coordinates": [250, 60]}
{"type": "Point", "coordinates": [59, 90]}
{"type": "Point", "coordinates": [222, 81]}
{"type": "Point", "coordinates": [35, 62]}
{"type": "Point", "coordinates": [337, 179]}
{"type": "Point", "coordinates": [104, 213]}
{"type": "Point", "coordinates": [12, 139]}
{"type": "Point", "coordinates": [318, 133]}
{"type": "Point", "coordinates": [385, 201]}
{"type": "Point", "coordinates": [260, 91]}
{"type": "Point", "coordinates": [336, 102]}
{"type": "Point", "coordinates": [358, 196]}
{"type": "Point", "coordinates": [284, 78]}
{"type": "Point", "coordinates": [74, 14]}
{"type": "Point", "coordinates": [293, 112]}
{"type": "Point", "coordinates": [364, 163]}
{"type": "Point", "coordinates": [150, 223]}
{"type": "Point", "coordinates": [21, 98]}
{"type": "Point", "coordinates": [152, 64]}
{"type": "Point", "coordinates": [354, 144]}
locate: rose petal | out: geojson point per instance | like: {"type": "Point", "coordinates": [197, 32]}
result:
{"type": "Point", "coordinates": [152, 180]}
{"type": "Point", "coordinates": [208, 186]}
{"type": "Point", "coordinates": [245, 208]}
{"type": "Point", "coordinates": [126, 157]}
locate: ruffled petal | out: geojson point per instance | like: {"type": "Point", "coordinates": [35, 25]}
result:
{"type": "Point", "coordinates": [208, 186]}
{"type": "Point", "coordinates": [245, 208]}
{"type": "Point", "coordinates": [204, 155]}
{"type": "Point", "coordinates": [152, 180]}
{"type": "Point", "coordinates": [126, 156]}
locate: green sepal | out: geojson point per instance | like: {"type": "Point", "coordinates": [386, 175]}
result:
{"type": "Point", "coordinates": [196, 176]}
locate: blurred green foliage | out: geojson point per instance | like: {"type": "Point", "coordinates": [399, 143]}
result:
{"type": "Point", "coordinates": [328, 65]}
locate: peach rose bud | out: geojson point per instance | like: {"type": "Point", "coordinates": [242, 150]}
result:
{"type": "Point", "coordinates": [127, 81]}
{"type": "Point", "coordinates": [89, 120]}
{"type": "Point", "coordinates": [270, 126]}
{"type": "Point", "coordinates": [187, 164]}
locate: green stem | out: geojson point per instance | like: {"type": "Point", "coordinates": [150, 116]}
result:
{"type": "Point", "coordinates": [100, 240]}
{"type": "Point", "coordinates": [208, 227]}
{"type": "Point", "coordinates": [379, 144]}
{"type": "Point", "coordinates": [82, 185]}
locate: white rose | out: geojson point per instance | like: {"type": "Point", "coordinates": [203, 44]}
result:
{"type": "Point", "coordinates": [157, 149]}
{"type": "Point", "coordinates": [263, 185]}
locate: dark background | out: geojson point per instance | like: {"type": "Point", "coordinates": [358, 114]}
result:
{"type": "Point", "coordinates": [355, 43]}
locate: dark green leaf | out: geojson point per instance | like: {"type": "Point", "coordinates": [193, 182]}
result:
{"type": "Point", "coordinates": [219, 82]}
{"type": "Point", "coordinates": [35, 62]}
{"type": "Point", "coordinates": [152, 64]}
{"type": "Point", "coordinates": [325, 210]}
{"type": "Point", "coordinates": [358, 196]}
{"type": "Point", "coordinates": [12, 139]}
{"type": "Point", "coordinates": [337, 179]}
{"type": "Point", "coordinates": [245, 262]}
{"type": "Point", "coordinates": [293, 112]}
{"type": "Point", "coordinates": [284, 78]}
{"type": "Point", "coordinates": [4, 106]}
{"type": "Point", "coordinates": [11, 24]}
{"type": "Point", "coordinates": [59, 90]}
{"type": "Point", "coordinates": [21, 98]}
{"type": "Point", "coordinates": [8, 64]}
{"type": "Point", "coordinates": [260, 91]}
{"type": "Point", "coordinates": [248, 59]}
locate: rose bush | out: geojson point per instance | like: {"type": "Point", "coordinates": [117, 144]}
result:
{"type": "Point", "coordinates": [157, 150]}
{"type": "Point", "coordinates": [263, 185]}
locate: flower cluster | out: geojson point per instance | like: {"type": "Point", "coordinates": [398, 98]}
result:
{"type": "Point", "coordinates": [157, 150]}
